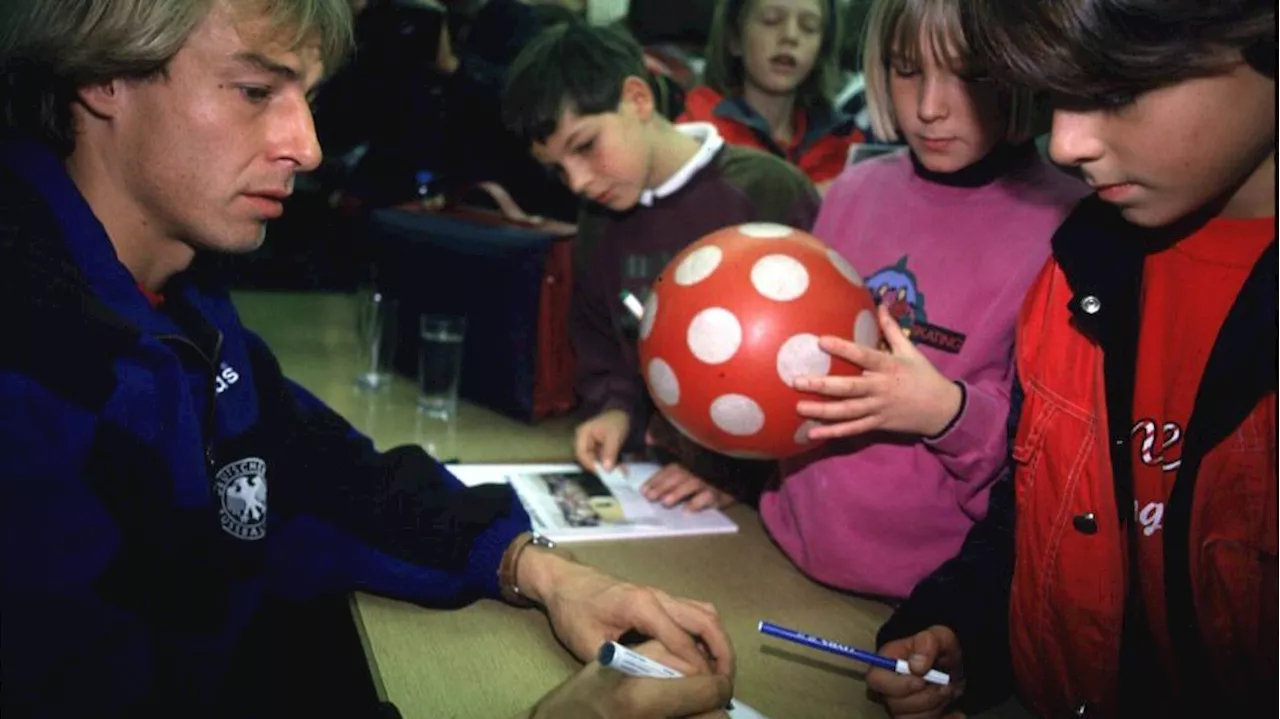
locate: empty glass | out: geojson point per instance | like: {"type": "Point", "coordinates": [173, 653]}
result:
{"type": "Point", "coordinates": [376, 339]}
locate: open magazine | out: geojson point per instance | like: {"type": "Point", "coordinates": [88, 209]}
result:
{"type": "Point", "coordinates": [570, 504]}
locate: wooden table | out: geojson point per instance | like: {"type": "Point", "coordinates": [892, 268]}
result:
{"type": "Point", "coordinates": [489, 660]}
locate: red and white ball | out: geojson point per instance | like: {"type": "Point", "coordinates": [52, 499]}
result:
{"type": "Point", "coordinates": [733, 319]}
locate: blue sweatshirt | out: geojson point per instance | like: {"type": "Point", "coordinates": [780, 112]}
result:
{"type": "Point", "coordinates": [158, 475]}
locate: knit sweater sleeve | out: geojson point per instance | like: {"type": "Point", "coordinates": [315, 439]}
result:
{"type": "Point", "coordinates": [606, 377]}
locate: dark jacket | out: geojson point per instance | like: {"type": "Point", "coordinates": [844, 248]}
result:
{"type": "Point", "coordinates": [159, 475]}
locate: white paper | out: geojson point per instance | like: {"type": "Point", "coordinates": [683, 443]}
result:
{"type": "Point", "coordinates": [569, 504]}
{"type": "Point", "coordinates": [742, 711]}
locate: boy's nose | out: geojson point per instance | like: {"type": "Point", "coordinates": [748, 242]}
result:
{"type": "Point", "coordinates": [576, 177]}
{"type": "Point", "coordinates": [1074, 138]}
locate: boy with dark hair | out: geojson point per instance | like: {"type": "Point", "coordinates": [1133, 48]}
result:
{"type": "Point", "coordinates": [580, 96]}
{"type": "Point", "coordinates": [1145, 469]}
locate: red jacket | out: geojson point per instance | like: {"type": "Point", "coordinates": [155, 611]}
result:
{"type": "Point", "coordinates": [821, 147]}
{"type": "Point", "coordinates": [1068, 645]}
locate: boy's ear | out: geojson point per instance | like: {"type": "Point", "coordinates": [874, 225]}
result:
{"type": "Point", "coordinates": [638, 96]}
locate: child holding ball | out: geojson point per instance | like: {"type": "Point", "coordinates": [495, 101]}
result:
{"type": "Point", "coordinates": [950, 233]}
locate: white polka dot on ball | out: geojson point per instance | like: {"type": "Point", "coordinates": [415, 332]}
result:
{"type": "Point", "coordinates": [781, 278]}
{"type": "Point", "coordinates": [714, 335]}
{"type": "Point", "coordinates": [737, 414]}
{"type": "Point", "coordinates": [843, 266]}
{"type": "Point", "coordinates": [663, 382]}
{"type": "Point", "coordinates": [865, 330]}
{"type": "Point", "coordinates": [802, 434]}
{"type": "Point", "coordinates": [698, 266]}
{"type": "Point", "coordinates": [765, 230]}
{"type": "Point", "coordinates": [801, 355]}
{"type": "Point", "coordinates": [650, 315]}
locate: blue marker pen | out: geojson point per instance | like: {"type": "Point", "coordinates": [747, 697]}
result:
{"type": "Point", "coordinates": [632, 663]}
{"type": "Point", "coordinates": [894, 665]}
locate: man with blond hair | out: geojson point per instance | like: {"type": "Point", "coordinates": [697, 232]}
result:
{"type": "Point", "coordinates": [159, 476]}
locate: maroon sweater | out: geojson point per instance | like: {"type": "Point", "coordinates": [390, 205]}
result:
{"type": "Point", "coordinates": [629, 250]}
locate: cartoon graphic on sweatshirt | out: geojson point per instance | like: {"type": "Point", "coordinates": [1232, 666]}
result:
{"type": "Point", "coordinates": [896, 288]}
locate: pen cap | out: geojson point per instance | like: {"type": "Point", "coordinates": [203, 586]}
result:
{"type": "Point", "coordinates": [627, 661]}
{"type": "Point", "coordinates": [605, 655]}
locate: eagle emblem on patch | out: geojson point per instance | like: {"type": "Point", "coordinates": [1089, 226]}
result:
{"type": "Point", "coordinates": [241, 487]}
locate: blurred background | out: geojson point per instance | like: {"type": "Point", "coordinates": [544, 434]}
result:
{"type": "Point", "coordinates": [416, 112]}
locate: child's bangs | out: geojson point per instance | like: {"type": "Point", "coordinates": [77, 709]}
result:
{"type": "Point", "coordinates": [936, 25]}
{"type": "Point", "coordinates": [1047, 51]}
{"type": "Point", "coordinates": [1088, 49]}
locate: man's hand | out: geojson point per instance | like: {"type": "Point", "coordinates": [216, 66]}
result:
{"type": "Point", "coordinates": [599, 439]}
{"type": "Point", "coordinates": [911, 697]}
{"type": "Point", "coordinates": [898, 391]}
{"type": "Point", "coordinates": [599, 693]}
{"type": "Point", "coordinates": [674, 484]}
{"type": "Point", "coordinates": [588, 608]}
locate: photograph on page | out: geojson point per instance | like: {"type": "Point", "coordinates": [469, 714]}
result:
{"type": "Point", "coordinates": [559, 500]}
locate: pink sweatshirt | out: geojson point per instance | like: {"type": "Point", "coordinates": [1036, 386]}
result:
{"type": "Point", "coordinates": [877, 514]}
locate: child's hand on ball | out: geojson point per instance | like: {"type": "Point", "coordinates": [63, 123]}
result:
{"type": "Point", "coordinates": [674, 484]}
{"type": "Point", "coordinates": [898, 391]}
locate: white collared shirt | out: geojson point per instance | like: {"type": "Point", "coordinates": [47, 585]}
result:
{"type": "Point", "coordinates": [711, 141]}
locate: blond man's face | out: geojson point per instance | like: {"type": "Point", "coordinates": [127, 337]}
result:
{"type": "Point", "coordinates": [211, 148]}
